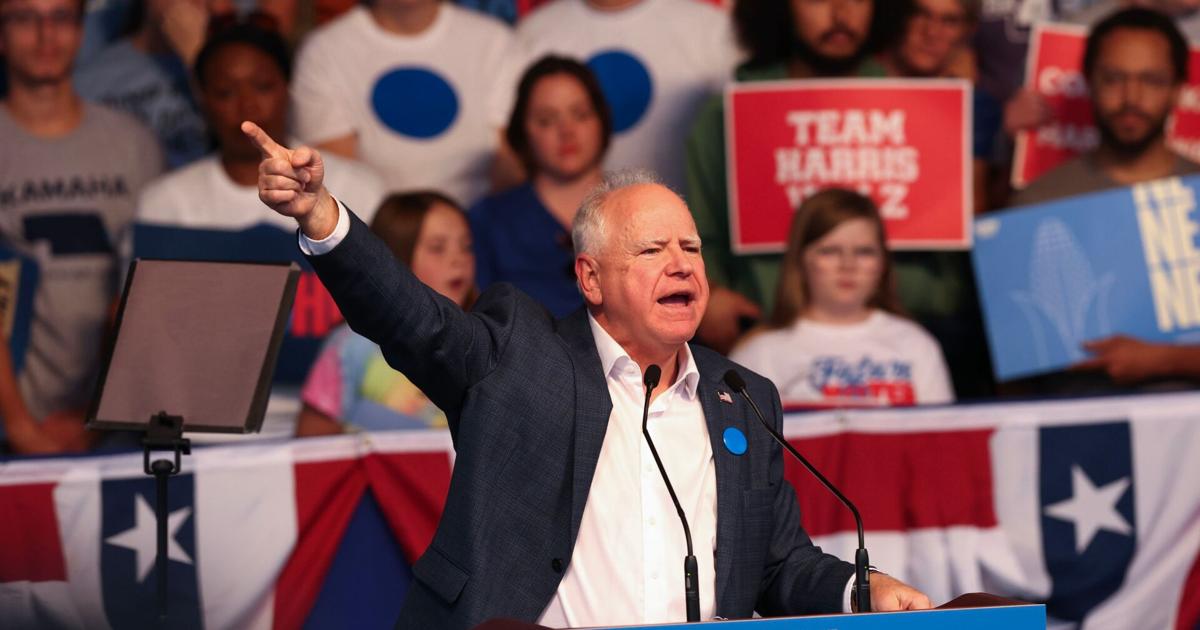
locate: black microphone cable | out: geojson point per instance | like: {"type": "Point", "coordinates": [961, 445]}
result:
{"type": "Point", "coordinates": [691, 586]}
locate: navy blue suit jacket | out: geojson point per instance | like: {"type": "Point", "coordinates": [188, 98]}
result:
{"type": "Point", "coordinates": [528, 406]}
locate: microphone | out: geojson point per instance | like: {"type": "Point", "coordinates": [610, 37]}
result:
{"type": "Point", "coordinates": [862, 585]}
{"type": "Point", "coordinates": [691, 585]}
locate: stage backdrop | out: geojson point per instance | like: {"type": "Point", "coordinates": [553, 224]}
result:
{"type": "Point", "coordinates": [1054, 69]}
{"type": "Point", "coordinates": [789, 139]}
{"type": "Point", "coordinates": [1089, 506]}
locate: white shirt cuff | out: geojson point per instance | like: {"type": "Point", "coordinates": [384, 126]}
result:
{"type": "Point", "coordinates": [326, 245]}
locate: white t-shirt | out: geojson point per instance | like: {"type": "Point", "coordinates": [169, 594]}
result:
{"type": "Point", "coordinates": [201, 196]}
{"type": "Point", "coordinates": [657, 61]}
{"type": "Point", "coordinates": [885, 360]}
{"type": "Point", "coordinates": [427, 108]}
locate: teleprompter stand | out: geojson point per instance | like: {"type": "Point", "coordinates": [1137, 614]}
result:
{"type": "Point", "coordinates": [164, 433]}
{"type": "Point", "coordinates": [223, 324]}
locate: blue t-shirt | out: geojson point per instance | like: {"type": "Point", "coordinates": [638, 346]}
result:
{"type": "Point", "coordinates": [518, 241]}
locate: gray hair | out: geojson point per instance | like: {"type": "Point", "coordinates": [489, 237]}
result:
{"type": "Point", "coordinates": [589, 229]}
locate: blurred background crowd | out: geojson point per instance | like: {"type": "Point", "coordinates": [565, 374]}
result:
{"type": "Point", "coordinates": [467, 134]}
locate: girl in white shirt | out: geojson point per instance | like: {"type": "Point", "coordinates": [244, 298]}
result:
{"type": "Point", "coordinates": [837, 336]}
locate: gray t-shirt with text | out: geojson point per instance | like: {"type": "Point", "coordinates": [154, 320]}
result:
{"type": "Point", "coordinates": [65, 202]}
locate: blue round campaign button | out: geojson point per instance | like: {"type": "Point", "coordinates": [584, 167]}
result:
{"type": "Point", "coordinates": [735, 440]}
{"type": "Point", "coordinates": [415, 102]}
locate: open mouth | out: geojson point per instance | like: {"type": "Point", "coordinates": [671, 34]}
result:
{"type": "Point", "coordinates": [679, 298]}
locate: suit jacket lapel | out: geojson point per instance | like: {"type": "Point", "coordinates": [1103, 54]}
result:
{"type": "Point", "coordinates": [592, 409]}
{"type": "Point", "coordinates": [719, 416]}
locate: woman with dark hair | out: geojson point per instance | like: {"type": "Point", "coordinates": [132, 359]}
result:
{"type": "Point", "coordinates": [351, 384]}
{"type": "Point", "coordinates": [560, 128]}
{"type": "Point", "coordinates": [837, 335]}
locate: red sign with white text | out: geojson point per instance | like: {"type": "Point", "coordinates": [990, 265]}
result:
{"type": "Point", "coordinates": [1055, 71]}
{"type": "Point", "coordinates": [904, 143]}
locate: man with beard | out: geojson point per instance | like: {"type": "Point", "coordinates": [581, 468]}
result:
{"type": "Point", "coordinates": [785, 39]}
{"type": "Point", "coordinates": [1135, 63]}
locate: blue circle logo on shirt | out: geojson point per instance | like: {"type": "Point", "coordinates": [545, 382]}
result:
{"type": "Point", "coordinates": [735, 440]}
{"type": "Point", "coordinates": [415, 102]}
{"type": "Point", "coordinates": [626, 84]}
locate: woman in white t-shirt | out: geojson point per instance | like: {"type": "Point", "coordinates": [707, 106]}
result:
{"type": "Point", "coordinates": [837, 336]}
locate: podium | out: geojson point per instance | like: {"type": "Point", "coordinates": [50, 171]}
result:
{"type": "Point", "coordinates": [1026, 617]}
{"type": "Point", "coordinates": [978, 611]}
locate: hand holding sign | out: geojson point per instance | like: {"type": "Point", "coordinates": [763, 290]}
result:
{"type": "Point", "coordinates": [1127, 360]}
{"type": "Point", "coordinates": [1027, 109]}
{"type": "Point", "coordinates": [291, 182]}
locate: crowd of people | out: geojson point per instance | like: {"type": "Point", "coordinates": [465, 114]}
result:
{"type": "Point", "coordinates": [468, 135]}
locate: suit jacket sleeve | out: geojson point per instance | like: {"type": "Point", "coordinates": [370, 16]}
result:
{"type": "Point", "coordinates": [798, 577]}
{"type": "Point", "coordinates": [439, 347]}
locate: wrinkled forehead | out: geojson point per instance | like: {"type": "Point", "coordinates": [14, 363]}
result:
{"type": "Point", "coordinates": [648, 212]}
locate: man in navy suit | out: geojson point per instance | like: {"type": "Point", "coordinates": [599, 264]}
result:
{"type": "Point", "coordinates": [556, 512]}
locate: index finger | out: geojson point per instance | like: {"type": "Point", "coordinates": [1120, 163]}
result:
{"type": "Point", "coordinates": [269, 147]}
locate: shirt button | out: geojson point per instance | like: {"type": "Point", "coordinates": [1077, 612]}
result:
{"type": "Point", "coordinates": [557, 565]}
{"type": "Point", "coordinates": [652, 521]}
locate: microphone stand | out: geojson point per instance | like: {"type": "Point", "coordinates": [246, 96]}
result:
{"type": "Point", "coordinates": [691, 586]}
{"type": "Point", "coordinates": [862, 563]}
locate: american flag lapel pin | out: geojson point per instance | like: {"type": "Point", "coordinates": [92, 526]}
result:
{"type": "Point", "coordinates": [724, 397]}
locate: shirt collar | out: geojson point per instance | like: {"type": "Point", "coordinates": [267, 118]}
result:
{"type": "Point", "coordinates": [617, 363]}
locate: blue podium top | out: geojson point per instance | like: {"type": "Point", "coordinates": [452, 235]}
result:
{"type": "Point", "coordinates": [1025, 617]}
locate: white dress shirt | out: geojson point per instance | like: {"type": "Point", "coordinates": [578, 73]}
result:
{"type": "Point", "coordinates": [627, 565]}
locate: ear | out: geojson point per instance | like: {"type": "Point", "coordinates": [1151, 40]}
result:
{"type": "Point", "coordinates": [587, 273]}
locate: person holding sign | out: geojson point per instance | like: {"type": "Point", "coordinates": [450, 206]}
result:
{"type": "Point", "coordinates": [837, 336]}
{"type": "Point", "coordinates": [785, 40]}
{"type": "Point", "coordinates": [1135, 63]}
{"type": "Point", "coordinates": [546, 417]}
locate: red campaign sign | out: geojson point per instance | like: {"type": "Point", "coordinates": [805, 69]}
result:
{"type": "Point", "coordinates": [1054, 69]}
{"type": "Point", "coordinates": [905, 143]}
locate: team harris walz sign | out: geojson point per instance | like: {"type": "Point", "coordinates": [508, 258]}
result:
{"type": "Point", "coordinates": [904, 143]}
{"type": "Point", "coordinates": [1054, 275]}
